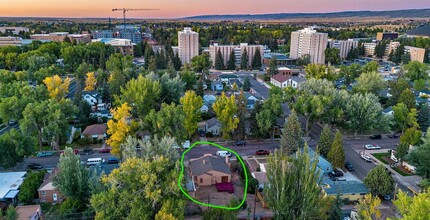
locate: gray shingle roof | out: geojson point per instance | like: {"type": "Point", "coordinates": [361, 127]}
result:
{"type": "Point", "coordinates": [422, 30]}
{"type": "Point", "coordinates": [346, 187]}
{"type": "Point", "coordinates": [198, 167]}
{"type": "Point", "coordinates": [213, 121]}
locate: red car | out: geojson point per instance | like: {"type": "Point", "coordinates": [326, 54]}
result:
{"type": "Point", "coordinates": [75, 151]}
{"type": "Point", "coordinates": [262, 152]}
{"type": "Point", "coordinates": [105, 150]}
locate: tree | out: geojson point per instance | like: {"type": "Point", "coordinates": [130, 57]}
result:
{"type": "Point", "coordinates": [380, 49]}
{"type": "Point", "coordinates": [14, 146]}
{"type": "Point", "coordinates": [336, 212]}
{"type": "Point", "coordinates": [225, 109]}
{"type": "Point", "coordinates": [405, 58]}
{"type": "Point", "coordinates": [30, 185]}
{"type": "Point", "coordinates": [57, 88]}
{"type": "Point", "coordinates": [363, 113]}
{"type": "Point", "coordinates": [404, 118]}
{"type": "Point", "coordinates": [318, 71]}
{"type": "Point", "coordinates": [189, 78]}
{"type": "Point", "coordinates": [371, 67]}
{"type": "Point", "coordinates": [150, 149]}
{"type": "Point", "coordinates": [72, 177]}
{"type": "Point", "coordinates": [246, 84]}
{"type": "Point", "coordinates": [273, 66]}
{"type": "Point", "coordinates": [408, 98]}
{"type": "Point", "coordinates": [167, 122]}
{"type": "Point", "coordinates": [397, 56]}
{"type": "Point", "coordinates": [171, 89]}
{"type": "Point", "coordinates": [148, 186]}
{"type": "Point", "coordinates": [116, 80]}
{"type": "Point", "coordinates": [416, 71]}
{"type": "Point", "coordinates": [142, 93]}
{"type": "Point", "coordinates": [11, 213]}
{"type": "Point", "coordinates": [90, 82]}
{"type": "Point", "coordinates": [256, 60]}
{"type": "Point", "coordinates": [332, 56]}
{"type": "Point", "coordinates": [293, 190]}
{"type": "Point", "coordinates": [415, 207]}
{"type": "Point", "coordinates": [241, 114]}
{"type": "Point", "coordinates": [370, 82]}
{"type": "Point", "coordinates": [350, 73]}
{"type": "Point", "coordinates": [423, 117]}
{"type": "Point", "coordinates": [402, 151]}
{"type": "Point", "coordinates": [219, 61]}
{"type": "Point", "coordinates": [291, 138]}
{"type": "Point", "coordinates": [200, 89]}
{"type": "Point", "coordinates": [201, 63]}
{"type": "Point", "coordinates": [419, 84]}
{"type": "Point", "coordinates": [367, 207]}
{"type": "Point", "coordinates": [378, 181]}
{"type": "Point", "coordinates": [191, 104]}
{"type": "Point", "coordinates": [244, 60]}
{"type": "Point", "coordinates": [231, 64]}
{"type": "Point", "coordinates": [336, 155]}
{"type": "Point", "coordinates": [420, 158]}
{"type": "Point", "coordinates": [118, 128]}
{"type": "Point", "coordinates": [304, 60]}
{"type": "Point", "coordinates": [397, 87]}
{"type": "Point", "coordinates": [412, 136]}
{"type": "Point", "coordinates": [325, 142]}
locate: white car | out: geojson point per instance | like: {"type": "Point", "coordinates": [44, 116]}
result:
{"type": "Point", "coordinates": [223, 153]}
{"type": "Point", "coordinates": [372, 146]}
{"type": "Point", "coordinates": [367, 158]}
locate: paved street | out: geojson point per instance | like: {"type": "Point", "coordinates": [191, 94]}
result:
{"type": "Point", "coordinates": [9, 127]}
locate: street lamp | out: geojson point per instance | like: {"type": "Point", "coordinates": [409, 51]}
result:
{"type": "Point", "coordinates": [255, 198]}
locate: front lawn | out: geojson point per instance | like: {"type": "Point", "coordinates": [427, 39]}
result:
{"type": "Point", "coordinates": [385, 158]}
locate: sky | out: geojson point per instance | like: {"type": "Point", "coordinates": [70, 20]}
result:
{"type": "Point", "coordinates": [184, 8]}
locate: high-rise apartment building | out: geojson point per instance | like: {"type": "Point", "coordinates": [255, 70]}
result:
{"type": "Point", "coordinates": [417, 54]}
{"type": "Point", "coordinates": [344, 46]}
{"type": "Point", "coordinates": [188, 44]}
{"type": "Point", "coordinates": [238, 50]}
{"type": "Point", "coordinates": [308, 41]}
{"type": "Point", "coordinates": [369, 49]}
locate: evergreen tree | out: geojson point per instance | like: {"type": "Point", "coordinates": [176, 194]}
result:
{"type": "Point", "coordinates": [246, 84]}
{"type": "Point", "coordinates": [219, 61]}
{"type": "Point", "coordinates": [147, 55]}
{"type": "Point", "coordinates": [200, 90]}
{"type": "Point", "coordinates": [244, 60]}
{"type": "Point", "coordinates": [397, 56]}
{"type": "Point", "coordinates": [325, 141]}
{"type": "Point", "coordinates": [336, 212]}
{"type": "Point", "coordinates": [241, 114]}
{"type": "Point", "coordinates": [406, 58]}
{"type": "Point", "coordinates": [291, 138]}
{"type": "Point", "coordinates": [426, 56]}
{"type": "Point", "coordinates": [256, 61]}
{"type": "Point", "coordinates": [231, 61]}
{"type": "Point", "coordinates": [177, 62]}
{"type": "Point", "coordinates": [336, 155]}
{"type": "Point", "coordinates": [273, 66]}
{"type": "Point", "coordinates": [424, 117]}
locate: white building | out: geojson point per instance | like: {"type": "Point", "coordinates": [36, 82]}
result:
{"type": "Point", "coordinates": [188, 45]}
{"type": "Point", "coordinates": [13, 30]}
{"type": "Point", "coordinates": [9, 185]}
{"type": "Point", "coordinates": [123, 46]}
{"type": "Point", "coordinates": [309, 41]}
{"type": "Point", "coordinates": [344, 46]}
{"type": "Point", "coordinates": [369, 49]}
{"type": "Point", "coordinates": [238, 50]}
{"type": "Point", "coordinates": [10, 41]}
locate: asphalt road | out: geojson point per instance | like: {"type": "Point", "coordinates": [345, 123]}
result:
{"type": "Point", "coordinates": [72, 89]}
{"type": "Point", "coordinates": [9, 127]}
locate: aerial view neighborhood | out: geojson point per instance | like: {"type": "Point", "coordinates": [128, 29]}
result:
{"type": "Point", "coordinates": [167, 110]}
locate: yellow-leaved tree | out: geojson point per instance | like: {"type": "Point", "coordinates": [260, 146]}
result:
{"type": "Point", "coordinates": [57, 88]}
{"type": "Point", "coordinates": [225, 109]}
{"type": "Point", "coordinates": [368, 207]}
{"type": "Point", "coordinates": [118, 128]}
{"type": "Point", "coordinates": [191, 104]}
{"type": "Point", "coordinates": [90, 82]}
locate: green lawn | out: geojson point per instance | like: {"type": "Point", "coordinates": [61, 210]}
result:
{"type": "Point", "coordinates": [380, 157]}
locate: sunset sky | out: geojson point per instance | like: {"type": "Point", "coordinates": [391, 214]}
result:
{"type": "Point", "coordinates": [183, 8]}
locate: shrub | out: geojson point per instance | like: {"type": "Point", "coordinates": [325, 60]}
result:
{"type": "Point", "coordinates": [209, 134]}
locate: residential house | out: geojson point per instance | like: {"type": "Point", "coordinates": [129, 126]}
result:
{"type": "Point", "coordinates": [424, 93]}
{"type": "Point", "coordinates": [95, 131]}
{"type": "Point", "coordinates": [385, 94]}
{"type": "Point", "coordinates": [204, 108]}
{"type": "Point", "coordinates": [280, 80]}
{"type": "Point", "coordinates": [106, 114]}
{"type": "Point", "coordinates": [323, 164]}
{"type": "Point", "coordinates": [209, 100]}
{"type": "Point", "coordinates": [29, 212]}
{"type": "Point", "coordinates": [217, 86]}
{"type": "Point", "coordinates": [231, 82]}
{"type": "Point", "coordinates": [209, 170]}
{"type": "Point", "coordinates": [212, 125]}
{"type": "Point", "coordinates": [250, 100]}
{"type": "Point", "coordinates": [92, 97]}
{"type": "Point", "coordinates": [352, 190]}
{"type": "Point", "coordinates": [9, 185]}
{"type": "Point", "coordinates": [388, 111]}
{"type": "Point", "coordinates": [295, 81]}
{"type": "Point", "coordinates": [47, 192]}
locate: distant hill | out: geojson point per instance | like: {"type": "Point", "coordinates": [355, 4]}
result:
{"type": "Point", "coordinates": [410, 13]}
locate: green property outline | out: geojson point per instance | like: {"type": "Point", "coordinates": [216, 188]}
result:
{"type": "Point", "coordinates": [181, 174]}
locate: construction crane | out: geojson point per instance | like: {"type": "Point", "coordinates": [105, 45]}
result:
{"type": "Point", "coordinates": [124, 10]}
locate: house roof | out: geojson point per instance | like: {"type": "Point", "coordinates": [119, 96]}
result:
{"type": "Point", "coordinates": [212, 122]}
{"type": "Point", "coordinates": [96, 129]}
{"type": "Point", "coordinates": [422, 30]}
{"type": "Point", "coordinates": [387, 110]}
{"type": "Point", "coordinates": [47, 181]}
{"type": "Point", "coordinates": [10, 181]}
{"type": "Point", "coordinates": [27, 211]}
{"type": "Point", "coordinates": [298, 79]}
{"type": "Point", "coordinates": [238, 83]}
{"type": "Point", "coordinates": [281, 77]}
{"type": "Point", "coordinates": [345, 187]}
{"type": "Point", "coordinates": [248, 95]}
{"type": "Point", "coordinates": [91, 93]}
{"type": "Point", "coordinates": [209, 163]}
{"type": "Point", "coordinates": [104, 168]}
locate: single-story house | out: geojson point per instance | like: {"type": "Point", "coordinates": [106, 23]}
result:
{"type": "Point", "coordinates": [352, 190]}
{"type": "Point", "coordinates": [204, 108]}
{"type": "Point", "coordinates": [9, 185]}
{"type": "Point", "coordinates": [92, 97]}
{"type": "Point", "coordinates": [295, 81]}
{"type": "Point", "coordinates": [209, 100]}
{"type": "Point", "coordinates": [388, 111]}
{"type": "Point", "coordinates": [209, 170]}
{"type": "Point", "coordinates": [217, 86]}
{"type": "Point", "coordinates": [250, 100]}
{"type": "Point", "coordinates": [29, 212]}
{"type": "Point", "coordinates": [212, 125]}
{"type": "Point", "coordinates": [385, 93]}
{"type": "Point", "coordinates": [323, 164]}
{"type": "Point", "coordinates": [95, 131]}
{"type": "Point", "coordinates": [280, 80]}
{"type": "Point", "coordinates": [47, 192]}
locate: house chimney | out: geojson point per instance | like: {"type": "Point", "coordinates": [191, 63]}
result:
{"type": "Point", "coordinates": [227, 161]}
{"type": "Point", "coordinates": [204, 161]}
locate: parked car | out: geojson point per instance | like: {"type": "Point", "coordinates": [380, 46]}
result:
{"type": "Point", "coordinates": [75, 151]}
{"type": "Point", "coordinates": [376, 136]}
{"type": "Point", "coordinates": [336, 173]}
{"type": "Point", "coordinates": [34, 166]}
{"type": "Point", "coordinates": [88, 151]}
{"type": "Point", "coordinates": [223, 153]}
{"type": "Point", "coordinates": [262, 152]}
{"type": "Point", "coordinates": [239, 143]}
{"type": "Point", "coordinates": [45, 154]}
{"type": "Point", "coordinates": [105, 150]}
{"type": "Point", "coordinates": [394, 135]}
{"type": "Point", "coordinates": [367, 158]}
{"type": "Point", "coordinates": [349, 166]}
{"type": "Point", "coordinates": [112, 160]}
{"type": "Point", "coordinates": [372, 146]}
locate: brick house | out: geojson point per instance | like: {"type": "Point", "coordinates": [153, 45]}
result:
{"type": "Point", "coordinates": [47, 192]}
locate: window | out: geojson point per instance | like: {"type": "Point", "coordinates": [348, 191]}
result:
{"type": "Point", "coordinates": [201, 180]}
{"type": "Point", "coordinates": [43, 193]}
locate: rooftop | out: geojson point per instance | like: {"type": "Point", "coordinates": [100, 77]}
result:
{"type": "Point", "coordinates": [96, 129]}
{"type": "Point", "coordinates": [27, 211]}
{"type": "Point", "coordinates": [281, 77]}
{"type": "Point", "coordinates": [10, 182]}
{"type": "Point", "coordinates": [422, 30]}
{"type": "Point", "coordinates": [345, 187]}
{"type": "Point", "coordinates": [208, 163]}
